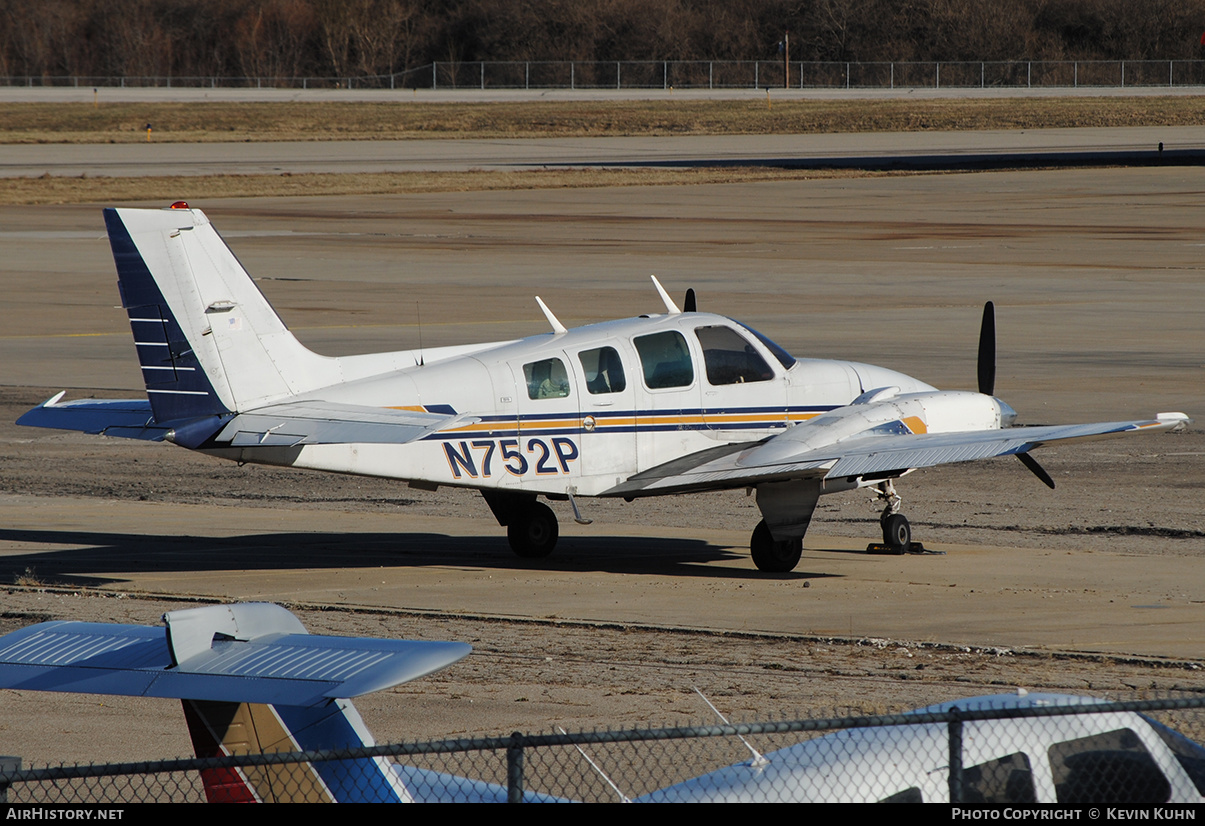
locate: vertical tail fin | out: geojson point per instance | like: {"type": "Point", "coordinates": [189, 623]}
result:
{"type": "Point", "coordinates": [221, 728]}
{"type": "Point", "coordinates": [208, 341]}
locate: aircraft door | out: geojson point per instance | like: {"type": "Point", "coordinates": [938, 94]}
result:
{"type": "Point", "coordinates": [607, 402]}
{"type": "Point", "coordinates": [668, 399]}
{"type": "Point", "coordinates": [546, 450]}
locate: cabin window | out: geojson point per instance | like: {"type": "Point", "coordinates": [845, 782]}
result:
{"type": "Point", "coordinates": [1110, 769]}
{"type": "Point", "coordinates": [997, 782]}
{"type": "Point", "coordinates": [730, 358]}
{"type": "Point", "coordinates": [546, 379]}
{"type": "Point", "coordinates": [665, 360]}
{"type": "Point", "coordinates": [603, 369]}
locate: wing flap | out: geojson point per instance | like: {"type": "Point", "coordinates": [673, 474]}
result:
{"type": "Point", "coordinates": [318, 422]}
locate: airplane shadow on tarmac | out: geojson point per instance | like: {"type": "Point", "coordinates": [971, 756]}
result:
{"type": "Point", "coordinates": [106, 554]}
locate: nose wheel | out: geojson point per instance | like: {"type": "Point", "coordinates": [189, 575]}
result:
{"type": "Point", "coordinates": [897, 533]}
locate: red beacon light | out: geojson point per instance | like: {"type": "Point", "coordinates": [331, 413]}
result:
{"type": "Point", "coordinates": [179, 205]}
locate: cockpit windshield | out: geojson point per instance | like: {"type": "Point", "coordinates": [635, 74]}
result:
{"type": "Point", "coordinates": [784, 358]}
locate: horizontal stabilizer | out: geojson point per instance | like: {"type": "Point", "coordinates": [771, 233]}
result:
{"type": "Point", "coordinates": [130, 418]}
{"type": "Point", "coordinates": [296, 669]}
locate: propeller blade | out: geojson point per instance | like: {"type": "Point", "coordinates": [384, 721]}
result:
{"type": "Point", "coordinates": [987, 352]}
{"type": "Point", "coordinates": [688, 306]}
{"type": "Point", "coordinates": [1036, 469]}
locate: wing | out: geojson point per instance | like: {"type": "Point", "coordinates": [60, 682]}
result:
{"type": "Point", "coordinates": [879, 455]}
{"type": "Point", "coordinates": [286, 424]}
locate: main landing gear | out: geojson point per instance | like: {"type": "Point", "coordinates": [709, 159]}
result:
{"type": "Point", "coordinates": [533, 532]}
{"type": "Point", "coordinates": [531, 526]}
{"type": "Point", "coordinates": [774, 557]}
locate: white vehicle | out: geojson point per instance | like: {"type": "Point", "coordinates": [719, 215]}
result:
{"type": "Point", "coordinates": [661, 404]}
{"type": "Point", "coordinates": [1112, 758]}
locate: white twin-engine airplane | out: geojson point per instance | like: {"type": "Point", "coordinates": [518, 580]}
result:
{"type": "Point", "coordinates": [673, 403]}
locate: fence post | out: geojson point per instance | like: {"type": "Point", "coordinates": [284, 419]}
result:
{"type": "Point", "coordinates": [846, 75]}
{"type": "Point", "coordinates": [664, 75]}
{"type": "Point", "coordinates": [711, 74]}
{"type": "Point", "coordinates": [483, 75]}
{"type": "Point", "coordinates": [514, 769]}
{"type": "Point", "coordinates": [1123, 74]}
{"type": "Point", "coordinates": [618, 82]}
{"type": "Point", "coordinates": [937, 76]}
{"type": "Point", "coordinates": [527, 75]}
{"type": "Point", "coordinates": [1170, 64]}
{"type": "Point", "coordinates": [893, 74]}
{"type": "Point", "coordinates": [7, 765]}
{"type": "Point", "coordinates": [981, 75]}
{"type": "Point", "coordinates": [756, 79]}
{"type": "Point", "coordinates": [1075, 75]}
{"type": "Point", "coordinates": [572, 75]}
{"type": "Point", "coordinates": [1029, 74]}
{"type": "Point", "coordinates": [955, 728]}
{"type": "Point", "coordinates": [434, 78]}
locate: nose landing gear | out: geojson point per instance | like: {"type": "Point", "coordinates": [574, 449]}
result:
{"type": "Point", "coordinates": [897, 532]}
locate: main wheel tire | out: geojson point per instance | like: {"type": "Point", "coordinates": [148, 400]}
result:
{"type": "Point", "coordinates": [534, 534]}
{"type": "Point", "coordinates": [774, 557]}
{"type": "Point", "coordinates": [897, 533]}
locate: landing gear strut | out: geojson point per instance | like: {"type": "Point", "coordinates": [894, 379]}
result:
{"type": "Point", "coordinates": [771, 556]}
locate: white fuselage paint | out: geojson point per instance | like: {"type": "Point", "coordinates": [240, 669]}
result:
{"type": "Point", "coordinates": [587, 442]}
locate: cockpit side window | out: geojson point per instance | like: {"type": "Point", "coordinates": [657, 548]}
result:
{"type": "Point", "coordinates": [665, 360]}
{"type": "Point", "coordinates": [604, 371]}
{"type": "Point", "coordinates": [730, 358]}
{"type": "Point", "coordinates": [784, 358]}
{"type": "Point", "coordinates": [546, 379]}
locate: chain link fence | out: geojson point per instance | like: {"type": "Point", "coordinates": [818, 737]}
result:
{"type": "Point", "coordinates": [702, 74]}
{"type": "Point", "coordinates": [988, 751]}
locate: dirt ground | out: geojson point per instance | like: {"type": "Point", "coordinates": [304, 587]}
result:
{"type": "Point", "coordinates": [1098, 290]}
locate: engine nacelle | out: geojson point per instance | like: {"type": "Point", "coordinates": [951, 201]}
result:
{"type": "Point", "coordinates": [886, 412]}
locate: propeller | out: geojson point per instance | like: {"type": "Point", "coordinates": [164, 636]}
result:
{"type": "Point", "coordinates": [688, 306]}
{"type": "Point", "coordinates": [987, 351]}
{"type": "Point", "coordinates": [1037, 469]}
{"type": "Point", "coordinates": [987, 381]}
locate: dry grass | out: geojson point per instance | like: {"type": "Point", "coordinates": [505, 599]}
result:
{"type": "Point", "coordinates": [58, 190]}
{"type": "Point", "coordinates": [408, 119]}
